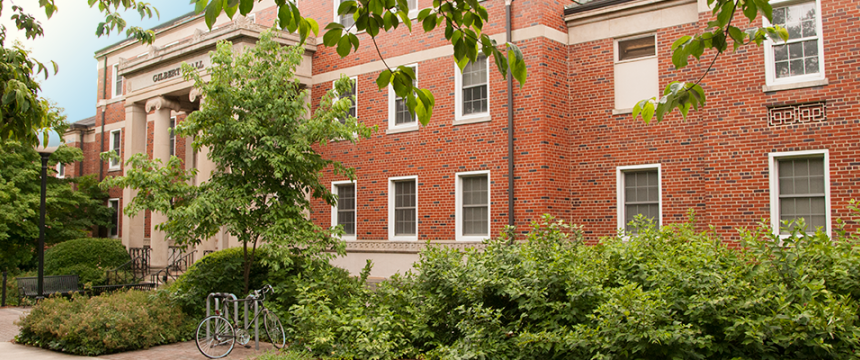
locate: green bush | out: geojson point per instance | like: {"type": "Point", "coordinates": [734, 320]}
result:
{"type": "Point", "coordinates": [115, 322]}
{"type": "Point", "coordinates": [222, 272]}
{"type": "Point", "coordinates": [667, 293]}
{"type": "Point", "coordinates": [88, 258]}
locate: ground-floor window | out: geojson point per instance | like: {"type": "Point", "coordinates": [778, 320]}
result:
{"type": "Point", "coordinates": [473, 205]}
{"type": "Point", "coordinates": [344, 213]}
{"type": "Point", "coordinates": [639, 193]}
{"type": "Point", "coordinates": [403, 208]}
{"type": "Point", "coordinates": [113, 231]}
{"type": "Point", "coordinates": [800, 190]}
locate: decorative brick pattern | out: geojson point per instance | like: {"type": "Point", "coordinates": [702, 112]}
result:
{"type": "Point", "coordinates": [797, 113]}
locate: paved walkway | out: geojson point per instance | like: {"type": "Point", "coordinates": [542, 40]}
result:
{"type": "Point", "coordinates": [178, 351]}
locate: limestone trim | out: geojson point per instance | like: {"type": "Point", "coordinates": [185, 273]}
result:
{"type": "Point", "coordinates": [405, 247]}
{"type": "Point", "coordinates": [629, 18]}
{"type": "Point", "coordinates": [160, 102]}
{"type": "Point", "coordinates": [194, 94]}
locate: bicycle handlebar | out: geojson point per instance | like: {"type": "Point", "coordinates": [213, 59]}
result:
{"type": "Point", "coordinates": [261, 294]}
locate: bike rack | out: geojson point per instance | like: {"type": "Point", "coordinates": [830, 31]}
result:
{"type": "Point", "coordinates": [225, 299]}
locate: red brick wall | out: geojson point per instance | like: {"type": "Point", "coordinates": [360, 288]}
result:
{"type": "Point", "coordinates": [715, 162]}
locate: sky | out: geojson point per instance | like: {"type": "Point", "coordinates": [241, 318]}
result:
{"type": "Point", "coordinates": [70, 41]}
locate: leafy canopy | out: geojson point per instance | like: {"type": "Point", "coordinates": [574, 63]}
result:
{"type": "Point", "coordinates": [255, 125]}
{"type": "Point", "coordinates": [71, 214]}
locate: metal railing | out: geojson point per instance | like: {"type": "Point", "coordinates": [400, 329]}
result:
{"type": "Point", "coordinates": [176, 264]}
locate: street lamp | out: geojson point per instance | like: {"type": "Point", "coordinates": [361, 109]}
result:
{"type": "Point", "coordinates": [45, 152]}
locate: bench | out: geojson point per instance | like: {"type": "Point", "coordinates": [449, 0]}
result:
{"type": "Point", "coordinates": [57, 284]}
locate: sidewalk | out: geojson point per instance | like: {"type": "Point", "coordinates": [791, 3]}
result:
{"type": "Point", "coordinates": [178, 351]}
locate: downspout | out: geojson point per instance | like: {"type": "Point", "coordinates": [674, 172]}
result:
{"type": "Point", "coordinates": [511, 217]}
{"type": "Point", "coordinates": [80, 171]}
{"type": "Point", "coordinates": [104, 108]}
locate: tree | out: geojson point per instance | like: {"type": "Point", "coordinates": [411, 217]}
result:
{"type": "Point", "coordinates": [255, 122]}
{"type": "Point", "coordinates": [71, 214]}
{"type": "Point", "coordinates": [24, 115]}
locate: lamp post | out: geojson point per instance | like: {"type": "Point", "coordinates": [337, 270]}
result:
{"type": "Point", "coordinates": [45, 153]}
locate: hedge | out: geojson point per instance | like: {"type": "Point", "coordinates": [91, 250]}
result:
{"type": "Point", "coordinates": [89, 258]}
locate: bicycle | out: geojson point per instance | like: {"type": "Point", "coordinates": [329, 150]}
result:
{"type": "Point", "coordinates": [216, 332]}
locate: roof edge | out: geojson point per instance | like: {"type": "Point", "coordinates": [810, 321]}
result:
{"type": "Point", "coordinates": [157, 29]}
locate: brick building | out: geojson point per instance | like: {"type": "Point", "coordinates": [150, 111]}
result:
{"type": "Point", "coordinates": [778, 138]}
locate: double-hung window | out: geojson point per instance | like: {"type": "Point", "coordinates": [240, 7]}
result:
{"type": "Point", "coordinates": [800, 190]}
{"type": "Point", "coordinates": [353, 95]}
{"type": "Point", "coordinates": [473, 205]}
{"type": "Point", "coordinates": [403, 208]}
{"type": "Point", "coordinates": [639, 193]}
{"type": "Point", "coordinates": [344, 213]}
{"type": "Point", "coordinates": [117, 82]}
{"type": "Point", "coordinates": [115, 143]}
{"type": "Point", "coordinates": [172, 136]}
{"type": "Point", "coordinates": [345, 20]}
{"type": "Point", "coordinates": [472, 91]}
{"type": "Point", "coordinates": [113, 231]}
{"type": "Point", "coordinates": [801, 58]}
{"type": "Point", "coordinates": [61, 170]}
{"type": "Point", "coordinates": [398, 113]}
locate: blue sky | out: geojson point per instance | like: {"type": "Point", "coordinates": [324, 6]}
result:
{"type": "Point", "coordinates": [71, 42]}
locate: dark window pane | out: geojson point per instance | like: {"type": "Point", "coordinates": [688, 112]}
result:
{"type": "Point", "coordinates": [405, 207]}
{"type": "Point", "coordinates": [346, 208]}
{"type": "Point", "coordinates": [636, 48]}
{"type": "Point", "coordinates": [802, 192]}
{"type": "Point", "coordinates": [475, 198]}
{"type": "Point", "coordinates": [641, 196]}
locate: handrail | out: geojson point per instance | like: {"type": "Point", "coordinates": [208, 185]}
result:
{"type": "Point", "coordinates": [180, 264]}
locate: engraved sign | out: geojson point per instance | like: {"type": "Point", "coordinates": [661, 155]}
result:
{"type": "Point", "coordinates": [166, 73]}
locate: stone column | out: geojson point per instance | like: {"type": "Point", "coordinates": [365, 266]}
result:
{"type": "Point", "coordinates": [135, 142]}
{"type": "Point", "coordinates": [204, 173]}
{"type": "Point", "coordinates": [160, 150]}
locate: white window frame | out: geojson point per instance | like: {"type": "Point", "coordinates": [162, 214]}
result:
{"type": "Point", "coordinates": [61, 170]}
{"type": "Point", "coordinates": [391, 202]}
{"type": "Point", "coordinates": [114, 79]}
{"type": "Point", "coordinates": [118, 217]}
{"type": "Point", "coordinates": [459, 118]}
{"type": "Point", "coordinates": [458, 213]}
{"type": "Point", "coordinates": [770, 68]}
{"type": "Point", "coordinates": [413, 13]}
{"type": "Point", "coordinates": [118, 164]}
{"type": "Point", "coordinates": [619, 181]}
{"type": "Point", "coordinates": [336, 17]}
{"type": "Point", "coordinates": [334, 185]}
{"type": "Point", "coordinates": [773, 167]}
{"type": "Point", "coordinates": [392, 109]}
{"type": "Point", "coordinates": [354, 79]}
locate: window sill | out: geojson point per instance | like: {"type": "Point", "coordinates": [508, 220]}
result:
{"type": "Point", "coordinates": [796, 85]}
{"type": "Point", "coordinates": [402, 129]}
{"type": "Point", "coordinates": [403, 238]}
{"type": "Point", "coordinates": [110, 169]}
{"type": "Point", "coordinates": [622, 111]}
{"type": "Point", "coordinates": [472, 120]}
{"type": "Point", "coordinates": [472, 238]}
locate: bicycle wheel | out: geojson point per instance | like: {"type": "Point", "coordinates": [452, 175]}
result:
{"type": "Point", "coordinates": [215, 337]}
{"type": "Point", "coordinates": [274, 329]}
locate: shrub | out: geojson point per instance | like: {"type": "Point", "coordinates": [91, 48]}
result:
{"type": "Point", "coordinates": [88, 258]}
{"type": "Point", "coordinates": [221, 271]}
{"type": "Point", "coordinates": [672, 292]}
{"type": "Point", "coordinates": [120, 321]}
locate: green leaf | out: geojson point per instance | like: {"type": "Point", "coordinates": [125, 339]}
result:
{"type": "Point", "coordinates": [383, 79]}
{"type": "Point", "coordinates": [245, 6]}
{"type": "Point", "coordinates": [429, 23]}
{"type": "Point", "coordinates": [750, 10]}
{"type": "Point", "coordinates": [212, 12]}
{"type": "Point", "coordinates": [343, 46]}
{"type": "Point", "coordinates": [726, 12]}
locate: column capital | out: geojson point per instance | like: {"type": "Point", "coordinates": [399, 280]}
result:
{"type": "Point", "coordinates": [160, 102]}
{"type": "Point", "coordinates": [194, 94]}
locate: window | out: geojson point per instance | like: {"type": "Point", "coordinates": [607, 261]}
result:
{"type": "Point", "coordinates": [117, 82]}
{"type": "Point", "coordinates": [353, 94]}
{"type": "Point", "coordinates": [346, 20]}
{"type": "Point", "coordinates": [172, 136]}
{"type": "Point", "coordinates": [636, 75]}
{"type": "Point", "coordinates": [115, 142]}
{"type": "Point", "coordinates": [639, 193]}
{"type": "Point", "coordinates": [801, 58]}
{"type": "Point", "coordinates": [472, 92]}
{"type": "Point", "coordinates": [800, 188]}
{"type": "Point", "coordinates": [403, 208]}
{"type": "Point", "coordinates": [398, 114]}
{"type": "Point", "coordinates": [344, 213]}
{"type": "Point", "coordinates": [61, 170]}
{"type": "Point", "coordinates": [473, 205]}
{"type": "Point", "coordinates": [413, 8]}
{"type": "Point", "coordinates": [113, 231]}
